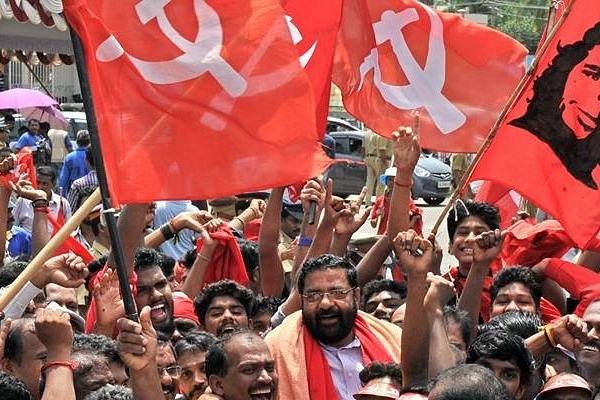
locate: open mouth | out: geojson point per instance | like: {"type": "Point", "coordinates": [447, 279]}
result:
{"type": "Point", "coordinates": [328, 320]}
{"type": "Point", "coordinates": [227, 328]}
{"type": "Point", "coordinates": [592, 346]}
{"type": "Point", "coordinates": [262, 394]}
{"type": "Point", "coordinates": [158, 312]}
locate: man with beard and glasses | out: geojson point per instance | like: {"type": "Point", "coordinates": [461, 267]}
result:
{"type": "Point", "coordinates": [224, 306]}
{"type": "Point", "coordinates": [239, 366]}
{"type": "Point", "coordinates": [320, 350]}
{"type": "Point", "coordinates": [191, 355]}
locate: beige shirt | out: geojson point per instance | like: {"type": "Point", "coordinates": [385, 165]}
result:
{"type": "Point", "coordinates": [376, 145]}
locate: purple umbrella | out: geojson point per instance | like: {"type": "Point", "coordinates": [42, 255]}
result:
{"type": "Point", "coordinates": [50, 114]}
{"type": "Point", "coordinates": [25, 98]}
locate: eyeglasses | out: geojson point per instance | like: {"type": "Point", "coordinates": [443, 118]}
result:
{"type": "Point", "coordinates": [173, 371]}
{"type": "Point", "coordinates": [336, 294]}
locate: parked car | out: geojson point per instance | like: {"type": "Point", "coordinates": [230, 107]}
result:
{"type": "Point", "coordinates": [432, 179]}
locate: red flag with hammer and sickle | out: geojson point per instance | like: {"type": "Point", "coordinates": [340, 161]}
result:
{"type": "Point", "coordinates": [197, 98]}
{"type": "Point", "coordinates": [394, 56]}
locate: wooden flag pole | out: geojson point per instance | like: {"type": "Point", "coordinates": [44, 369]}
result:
{"type": "Point", "coordinates": [50, 248]}
{"type": "Point", "coordinates": [513, 98]}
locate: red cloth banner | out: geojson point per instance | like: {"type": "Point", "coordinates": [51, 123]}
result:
{"type": "Point", "coordinates": [506, 200]}
{"type": "Point", "coordinates": [548, 146]}
{"type": "Point", "coordinates": [394, 56]}
{"type": "Point", "coordinates": [197, 98]}
{"type": "Point", "coordinates": [314, 25]}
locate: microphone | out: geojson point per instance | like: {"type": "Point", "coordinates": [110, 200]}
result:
{"type": "Point", "coordinates": [312, 212]}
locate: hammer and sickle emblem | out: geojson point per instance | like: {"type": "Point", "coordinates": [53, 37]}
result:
{"type": "Point", "coordinates": [425, 85]}
{"type": "Point", "coordinates": [297, 38]}
{"type": "Point", "coordinates": [200, 56]}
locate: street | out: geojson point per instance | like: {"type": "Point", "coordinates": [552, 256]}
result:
{"type": "Point", "coordinates": [430, 216]}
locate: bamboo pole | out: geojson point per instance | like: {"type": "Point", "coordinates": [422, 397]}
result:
{"type": "Point", "coordinates": [516, 94]}
{"type": "Point", "coordinates": [50, 248]}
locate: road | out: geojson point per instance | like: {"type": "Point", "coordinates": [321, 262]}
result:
{"type": "Point", "coordinates": [430, 216]}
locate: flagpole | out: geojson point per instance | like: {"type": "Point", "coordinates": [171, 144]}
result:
{"type": "Point", "coordinates": [49, 249]}
{"type": "Point", "coordinates": [516, 94]}
{"type": "Point", "coordinates": [109, 211]}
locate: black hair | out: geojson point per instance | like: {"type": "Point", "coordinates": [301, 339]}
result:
{"type": "Point", "coordinates": [267, 304]}
{"type": "Point", "coordinates": [325, 262]}
{"type": "Point", "coordinates": [166, 264]}
{"type": "Point", "coordinates": [145, 258]}
{"type": "Point", "coordinates": [48, 171]}
{"type": "Point", "coordinates": [249, 250]}
{"type": "Point", "coordinates": [380, 285]}
{"type": "Point", "coordinates": [225, 287]}
{"type": "Point", "coordinates": [486, 212]}
{"type": "Point", "coordinates": [13, 388]}
{"type": "Point", "coordinates": [87, 362]}
{"type": "Point", "coordinates": [505, 346]}
{"type": "Point", "coordinates": [522, 275]}
{"type": "Point", "coordinates": [217, 361]}
{"type": "Point", "coordinates": [461, 318]}
{"type": "Point", "coordinates": [111, 392]}
{"type": "Point", "coordinates": [85, 192]}
{"type": "Point", "coordinates": [521, 323]}
{"type": "Point", "coordinates": [99, 344]}
{"type": "Point", "coordinates": [10, 271]}
{"type": "Point", "coordinates": [194, 342]}
{"type": "Point", "coordinates": [83, 138]}
{"type": "Point", "coordinates": [13, 345]}
{"type": "Point", "coordinates": [377, 369]}
{"type": "Point", "coordinates": [467, 382]}
{"type": "Point", "coordinates": [188, 258]}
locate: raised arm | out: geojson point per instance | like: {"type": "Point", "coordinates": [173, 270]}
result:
{"type": "Point", "coordinates": [441, 354]}
{"type": "Point", "coordinates": [406, 154]}
{"type": "Point", "coordinates": [271, 272]}
{"type": "Point", "coordinates": [54, 331]}
{"type": "Point", "coordinates": [195, 278]}
{"type": "Point", "coordinates": [417, 255]}
{"type": "Point", "coordinates": [486, 247]}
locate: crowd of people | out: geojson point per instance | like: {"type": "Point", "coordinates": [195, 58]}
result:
{"type": "Point", "coordinates": [249, 300]}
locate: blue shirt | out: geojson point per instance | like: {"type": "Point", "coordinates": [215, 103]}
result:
{"type": "Point", "coordinates": [75, 167]}
{"type": "Point", "coordinates": [19, 242]}
{"type": "Point", "coordinates": [26, 140]}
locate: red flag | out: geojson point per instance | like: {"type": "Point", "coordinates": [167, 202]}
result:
{"type": "Point", "coordinates": [394, 56]}
{"type": "Point", "coordinates": [314, 25]}
{"type": "Point", "coordinates": [195, 98]}
{"type": "Point", "coordinates": [527, 244]}
{"type": "Point", "coordinates": [506, 200]}
{"type": "Point", "coordinates": [23, 165]}
{"type": "Point", "coordinates": [70, 244]}
{"type": "Point", "coordinates": [548, 146]}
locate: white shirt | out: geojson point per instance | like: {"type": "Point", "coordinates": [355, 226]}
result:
{"type": "Point", "coordinates": [23, 211]}
{"type": "Point", "coordinates": [345, 364]}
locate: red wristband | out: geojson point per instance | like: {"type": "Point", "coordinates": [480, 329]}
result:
{"type": "Point", "coordinates": [69, 364]}
{"type": "Point", "coordinates": [44, 210]}
{"type": "Point", "coordinates": [404, 185]}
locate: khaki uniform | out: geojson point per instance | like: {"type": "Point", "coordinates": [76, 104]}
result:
{"type": "Point", "coordinates": [378, 155]}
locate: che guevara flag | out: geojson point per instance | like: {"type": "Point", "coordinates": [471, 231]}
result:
{"type": "Point", "coordinates": [314, 25]}
{"type": "Point", "coordinates": [548, 145]}
{"type": "Point", "coordinates": [197, 98]}
{"type": "Point", "coordinates": [394, 56]}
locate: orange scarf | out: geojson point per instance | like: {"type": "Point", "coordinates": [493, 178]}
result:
{"type": "Point", "coordinates": [320, 382]}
